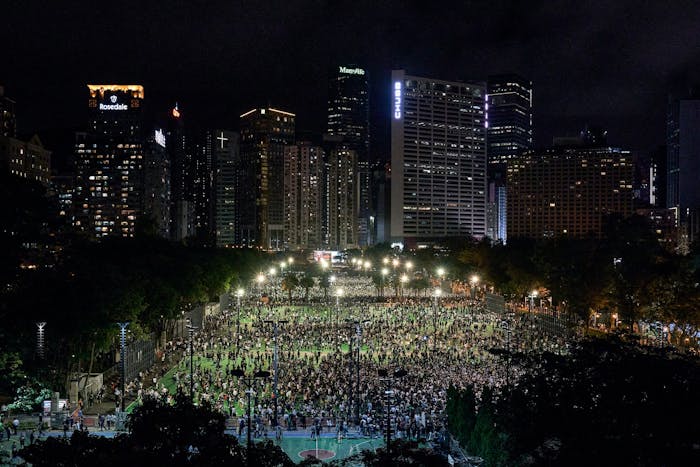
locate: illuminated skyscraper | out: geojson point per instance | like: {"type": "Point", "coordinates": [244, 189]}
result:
{"type": "Point", "coordinates": [182, 224]}
{"type": "Point", "coordinates": [509, 120]}
{"type": "Point", "coordinates": [225, 157]}
{"type": "Point", "coordinates": [348, 118]}
{"type": "Point", "coordinates": [438, 159]}
{"type": "Point", "coordinates": [509, 115]}
{"type": "Point", "coordinates": [260, 200]}
{"type": "Point", "coordinates": [110, 162]}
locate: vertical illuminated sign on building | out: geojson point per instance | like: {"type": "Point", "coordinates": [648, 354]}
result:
{"type": "Point", "coordinates": [397, 100]}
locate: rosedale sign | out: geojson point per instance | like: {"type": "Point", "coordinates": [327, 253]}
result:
{"type": "Point", "coordinates": [113, 105]}
{"type": "Point", "coordinates": [351, 71]}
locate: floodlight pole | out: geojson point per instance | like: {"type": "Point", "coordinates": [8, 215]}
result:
{"type": "Point", "coordinates": [122, 358]}
{"type": "Point", "coordinates": [191, 329]}
{"type": "Point", "coordinates": [275, 366]}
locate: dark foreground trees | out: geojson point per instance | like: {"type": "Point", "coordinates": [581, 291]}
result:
{"type": "Point", "coordinates": [610, 403]}
{"type": "Point", "coordinates": [179, 435]}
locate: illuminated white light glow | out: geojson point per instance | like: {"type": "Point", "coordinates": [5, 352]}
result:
{"type": "Point", "coordinates": [351, 71]}
{"type": "Point", "coordinates": [397, 100]}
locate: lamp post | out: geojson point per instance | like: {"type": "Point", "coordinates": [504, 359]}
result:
{"type": "Point", "coordinates": [338, 293]}
{"type": "Point", "coordinates": [436, 296]}
{"type": "Point", "coordinates": [271, 272]}
{"type": "Point", "coordinates": [531, 304]}
{"type": "Point", "coordinates": [275, 360]}
{"type": "Point", "coordinates": [384, 271]}
{"type": "Point", "coordinates": [190, 331]}
{"type": "Point", "coordinates": [249, 381]}
{"type": "Point", "coordinates": [389, 379]}
{"type": "Point", "coordinates": [474, 280]}
{"type": "Point", "coordinates": [260, 278]}
{"type": "Point", "coordinates": [505, 325]}
{"type": "Point", "coordinates": [404, 280]}
{"type": "Point", "coordinates": [122, 358]}
{"type": "Point", "coordinates": [355, 360]}
{"type": "Point", "coordinates": [239, 294]}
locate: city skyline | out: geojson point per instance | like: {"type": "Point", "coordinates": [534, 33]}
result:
{"type": "Point", "coordinates": [589, 63]}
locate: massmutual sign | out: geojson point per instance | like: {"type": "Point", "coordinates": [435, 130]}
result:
{"type": "Point", "coordinates": [113, 105]}
{"type": "Point", "coordinates": [351, 71]}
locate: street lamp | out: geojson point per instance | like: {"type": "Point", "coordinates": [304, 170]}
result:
{"type": "Point", "coordinates": [389, 379]}
{"type": "Point", "coordinates": [367, 265]}
{"type": "Point", "coordinates": [395, 263]}
{"type": "Point", "coordinates": [441, 272]}
{"type": "Point", "coordinates": [385, 260]}
{"type": "Point", "coordinates": [249, 381]}
{"type": "Point", "coordinates": [409, 265]}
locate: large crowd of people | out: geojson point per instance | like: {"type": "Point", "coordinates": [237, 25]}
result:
{"type": "Point", "coordinates": [438, 341]}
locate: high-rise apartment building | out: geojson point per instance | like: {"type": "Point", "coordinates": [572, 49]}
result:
{"type": "Point", "coordinates": [343, 198]}
{"type": "Point", "coordinates": [26, 159]}
{"type": "Point", "coordinates": [438, 159]}
{"type": "Point", "coordinates": [303, 190]}
{"type": "Point", "coordinates": [348, 118]}
{"type": "Point", "coordinates": [683, 163]}
{"type": "Point", "coordinates": [110, 162]}
{"type": "Point", "coordinates": [568, 190]}
{"type": "Point", "coordinates": [260, 200]}
{"type": "Point", "coordinates": [225, 155]}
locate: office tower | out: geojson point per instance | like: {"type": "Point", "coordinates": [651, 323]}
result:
{"type": "Point", "coordinates": [26, 159]}
{"type": "Point", "coordinates": [568, 190]}
{"type": "Point", "coordinates": [303, 190]}
{"type": "Point", "coordinates": [343, 198]}
{"type": "Point", "coordinates": [348, 118]}
{"type": "Point", "coordinates": [156, 199]}
{"type": "Point", "coordinates": [438, 159]}
{"type": "Point", "coordinates": [509, 121]}
{"type": "Point", "coordinates": [264, 134]}
{"type": "Point", "coordinates": [225, 155]}
{"type": "Point", "coordinates": [182, 212]}
{"type": "Point", "coordinates": [200, 146]}
{"type": "Point", "coordinates": [683, 166]}
{"type": "Point", "coordinates": [509, 115]}
{"type": "Point", "coordinates": [381, 202]}
{"type": "Point", "coordinates": [8, 118]}
{"type": "Point", "coordinates": [110, 162]}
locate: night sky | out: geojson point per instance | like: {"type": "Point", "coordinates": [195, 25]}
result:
{"type": "Point", "coordinates": [608, 63]}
